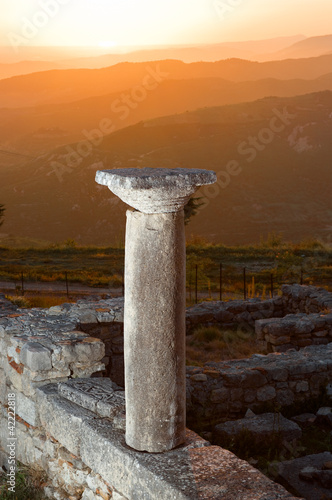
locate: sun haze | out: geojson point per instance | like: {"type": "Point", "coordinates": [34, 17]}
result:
{"type": "Point", "coordinates": [118, 24]}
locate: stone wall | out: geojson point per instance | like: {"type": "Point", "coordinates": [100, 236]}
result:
{"type": "Point", "coordinates": [310, 321]}
{"type": "Point", "coordinates": [305, 299]}
{"type": "Point", "coordinates": [233, 313]}
{"type": "Point", "coordinates": [72, 428]}
{"type": "Point", "coordinates": [40, 350]}
{"type": "Point", "coordinates": [227, 389]}
{"type": "Point", "coordinates": [295, 331]}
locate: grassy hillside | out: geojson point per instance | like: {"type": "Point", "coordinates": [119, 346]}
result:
{"type": "Point", "coordinates": [272, 157]}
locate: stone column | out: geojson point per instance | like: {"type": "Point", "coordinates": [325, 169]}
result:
{"type": "Point", "coordinates": [155, 301]}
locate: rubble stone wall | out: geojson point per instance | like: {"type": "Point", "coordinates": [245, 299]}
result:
{"type": "Point", "coordinates": [41, 347]}
{"type": "Point", "coordinates": [309, 321]}
{"type": "Point", "coordinates": [227, 389]}
{"type": "Point", "coordinates": [37, 348]}
{"type": "Point", "coordinates": [305, 299]}
{"type": "Point", "coordinates": [233, 313]}
{"type": "Point", "coordinates": [79, 442]}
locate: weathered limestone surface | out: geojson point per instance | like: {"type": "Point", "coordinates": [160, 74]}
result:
{"type": "Point", "coordinates": [102, 396]}
{"type": "Point", "coordinates": [195, 470]}
{"type": "Point", "coordinates": [58, 341]}
{"type": "Point", "coordinates": [78, 406]}
{"type": "Point", "coordinates": [226, 390]}
{"type": "Point", "coordinates": [155, 300]}
{"type": "Point", "coordinates": [154, 330]}
{"type": "Point", "coordinates": [155, 190]}
{"type": "Point", "coordinates": [217, 390]}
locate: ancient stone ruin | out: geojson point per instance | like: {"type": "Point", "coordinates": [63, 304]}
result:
{"type": "Point", "coordinates": [84, 418]}
{"type": "Point", "coordinates": [155, 301]}
{"type": "Point", "coordinates": [72, 425]}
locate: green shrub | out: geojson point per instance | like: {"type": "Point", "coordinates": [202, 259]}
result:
{"type": "Point", "coordinates": [207, 334]}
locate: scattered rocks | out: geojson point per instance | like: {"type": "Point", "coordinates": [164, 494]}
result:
{"type": "Point", "coordinates": [324, 416]}
{"type": "Point", "coordinates": [305, 419]}
{"type": "Point", "coordinates": [306, 476]}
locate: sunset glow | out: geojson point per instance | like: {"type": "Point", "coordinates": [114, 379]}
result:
{"type": "Point", "coordinates": [238, 86]}
{"type": "Point", "coordinates": [116, 23]}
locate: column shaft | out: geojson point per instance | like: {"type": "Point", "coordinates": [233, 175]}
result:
{"type": "Point", "coordinates": [154, 330]}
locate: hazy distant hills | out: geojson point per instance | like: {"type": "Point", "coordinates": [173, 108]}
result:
{"type": "Point", "coordinates": [37, 129]}
{"type": "Point", "coordinates": [255, 50]}
{"type": "Point", "coordinates": [34, 59]}
{"type": "Point", "coordinates": [61, 86]}
{"type": "Point", "coordinates": [48, 109]}
{"type": "Point", "coordinates": [310, 47]}
{"type": "Point", "coordinates": [265, 127]}
{"type": "Point", "coordinates": [8, 70]}
{"type": "Point", "coordinates": [272, 156]}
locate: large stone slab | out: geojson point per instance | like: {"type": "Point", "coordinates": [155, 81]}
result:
{"type": "Point", "coordinates": [27, 409]}
{"type": "Point", "coordinates": [261, 427]}
{"type": "Point", "coordinates": [155, 190]}
{"type": "Point", "coordinates": [99, 395]}
{"type": "Point", "coordinates": [36, 357]}
{"type": "Point", "coordinates": [61, 418]}
{"type": "Point", "coordinates": [194, 471]}
{"type": "Point", "coordinates": [191, 472]}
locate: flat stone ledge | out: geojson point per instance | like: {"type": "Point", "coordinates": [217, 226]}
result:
{"type": "Point", "coordinates": [193, 471]}
{"type": "Point", "coordinates": [102, 396]}
{"type": "Point", "coordinates": [207, 472]}
{"type": "Point", "coordinates": [155, 190]}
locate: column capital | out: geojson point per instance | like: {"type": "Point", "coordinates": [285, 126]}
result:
{"type": "Point", "coordinates": [155, 190]}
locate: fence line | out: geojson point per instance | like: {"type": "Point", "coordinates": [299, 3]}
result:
{"type": "Point", "coordinates": [217, 281]}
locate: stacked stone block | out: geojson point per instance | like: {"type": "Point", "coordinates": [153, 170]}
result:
{"type": "Point", "coordinates": [295, 331]}
{"type": "Point", "coordinates": [233, 313]}
{"type": "Point", "coordinates": [305, 299]}
{"type": "Point", "coordinates": [227, 389]}
{"type": "Point", "coordinates": [310, 321]}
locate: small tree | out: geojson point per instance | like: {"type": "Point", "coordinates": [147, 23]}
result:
{"type": "Point", "coordinates": [191, 209]}
{"type": "Point", "coordinates": [2, 210]}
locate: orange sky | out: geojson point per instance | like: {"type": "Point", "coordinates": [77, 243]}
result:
{"type": "Point", "coordinates": [117, 23]}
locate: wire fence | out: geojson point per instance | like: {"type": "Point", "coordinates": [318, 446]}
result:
{"type": "Point", "coordinates": [242, 283]}
{"type": "Point", "coordinates": [212, 282]}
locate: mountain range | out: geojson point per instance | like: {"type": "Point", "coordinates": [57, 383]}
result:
{"type": "Point", "coordinates": [48, 109]}
{"type": "Point", "coordinates": [264, 127]}
{"type": "Point", "coordinates": [34, 59]}
{"type": "Point", "coordinates": [272, 158]}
